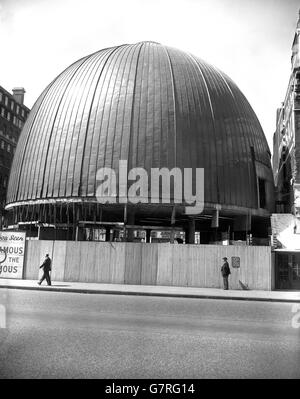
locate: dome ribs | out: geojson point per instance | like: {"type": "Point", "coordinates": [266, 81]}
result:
{"type": "Point", "coordinates": [115, 126]}
{"type": "Point", "coordinates": [152, 105]}
{"type": "Point", "coordinates": [132, 109]}
{"type": "Point", "coordinates": [172, 158]}
{"type": "Point", "coordinates": [182, 110]}
{"type": "Point", "coordinates": [40, 142]}
{"type": "Point", "coordinates": [214, 88]}
{"type": "Point", "coordinates": [84, 139]}
{"type": "Point", "coordinates": [212, 193]}
{"type": "Point", "coordinates": [63, 127]}
{"type": "Point", "coordinates": [49, 117]}
{"type": "Point", "coordinates": [59, 185]}
{"type": "Point", "coordinates": [135, 111]}
{"type": "Point", "coordinates": [98, 133]}
{"type": "Point", "coordinates": [107, 110]}
{"type": "Point", "coordinates": [14, 186]}
{"type": "Point", "coordinates": [147, 121]}
{"type": "Point", "coordinates": [128, 86]}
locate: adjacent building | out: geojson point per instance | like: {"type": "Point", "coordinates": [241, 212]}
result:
{"type": "Point", "coordinates": [13, 114]}
{"type": "Point", "coordinates": [286, 168]}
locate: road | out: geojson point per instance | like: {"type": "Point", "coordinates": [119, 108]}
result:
{"type": "Point", "coordinates": [64, 335]}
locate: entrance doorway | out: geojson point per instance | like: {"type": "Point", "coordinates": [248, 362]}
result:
{"type": "Point", "coordinates": [287, 270]}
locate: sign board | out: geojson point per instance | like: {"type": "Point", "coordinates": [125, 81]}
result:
{"type": "Point", "coordinates": [235, 261]}
{"type": "Point", "coordinates": [12, 249]}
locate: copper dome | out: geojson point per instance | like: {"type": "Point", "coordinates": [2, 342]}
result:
{"type": "Point", "coordinates": [152, 105]}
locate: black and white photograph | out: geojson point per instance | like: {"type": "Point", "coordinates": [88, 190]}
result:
{"type": "Point", "coordinates": [149, 192]}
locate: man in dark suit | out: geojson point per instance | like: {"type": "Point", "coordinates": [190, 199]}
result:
{"type": "Point", "coordinates": [46, 268]}
{"type": "Point", "coordinates": [225, 270]}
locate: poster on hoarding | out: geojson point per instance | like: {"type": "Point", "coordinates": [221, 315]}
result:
{"type": "Point", "coordinates": [12, 249]}
{"type": "Point", "coordinates": [236, 261]}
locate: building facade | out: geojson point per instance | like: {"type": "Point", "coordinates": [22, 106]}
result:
{"type": "Point", "coordinates": [286, 169]}
{"type": "Point", "coordinates": [13, 114]}
{"type": "Point", "coordinates": [286, 141]}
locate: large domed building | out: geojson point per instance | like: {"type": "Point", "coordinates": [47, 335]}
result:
{"type": "Point", "coordinates": [154, 107]}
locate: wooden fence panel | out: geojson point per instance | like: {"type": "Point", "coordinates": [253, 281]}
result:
{"type": "Point", "coordinates": [103, 261]}
{"type": "Point", "coordinates": [32, 260]}
{"type": "Point", "coordinates": [133, 263]}
{"type": "Point", "coordinates": [59, 260]}
{"type": "Point", "coordinates": [150, 264]}
{"type": "Point", "coordinates": [196, 269]}
{"type": "Point", "coordinates": [88, 262]}
{"type": "Point", "coordinates": [164, 266]}
{"type": "Point", "coordinates": [117, 265]}
{"type": "Point", "coordinates": [180, 261]}
{"type": "Point", "coordinates": [72, 266]}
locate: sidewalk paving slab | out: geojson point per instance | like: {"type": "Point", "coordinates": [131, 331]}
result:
{"type": "Point", "coordinates": [150, 290]}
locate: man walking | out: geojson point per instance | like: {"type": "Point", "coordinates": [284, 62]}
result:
{"type": "Point", "coordinates": [225, 270]}
{"type": "Point", "coordinates": [46, 268]}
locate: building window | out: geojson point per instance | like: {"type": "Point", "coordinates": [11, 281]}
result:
{"type": "Point", "coordinates": [8, 116]}
{"type": "Point", "coordinates": [2, 112]}
{"type": "Point", "coordinates": [6, 100]}
{"type": "Point", "coordinates": [262, 193]}
{"type": "Point", "coordinates": [1, 96]}
{"type": "Point", "coordinates": [2, 144]}
{"type": "Point", "coordinates": [8, 147]}
{"type": "Point", "coordinates": [12, 105]}
{"type": "Point", "coordinates": [22, 112]}
{"type": "Point", "coordinates": [17, 110]}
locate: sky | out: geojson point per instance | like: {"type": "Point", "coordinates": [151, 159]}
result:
{"type": "Point", "coordinates": [249, 40]}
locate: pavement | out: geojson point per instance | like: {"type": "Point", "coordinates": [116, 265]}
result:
{"type": "Point", "coordinates": [149, 290]}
